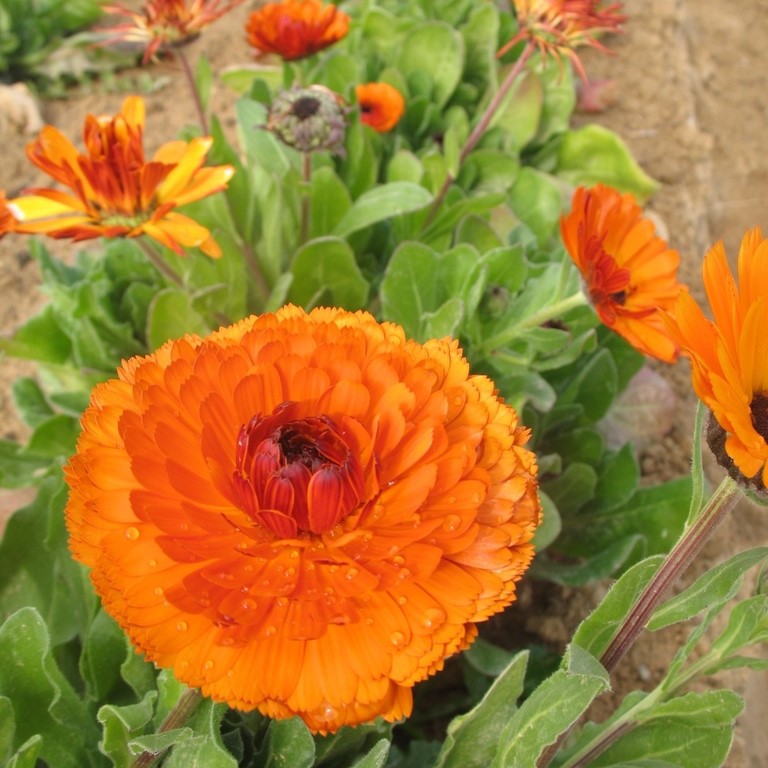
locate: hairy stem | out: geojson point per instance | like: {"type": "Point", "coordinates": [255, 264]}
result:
{"type": "Point", "coordinates": [190, 77]}
{"type": "Point", "coordinates": [159, 262]}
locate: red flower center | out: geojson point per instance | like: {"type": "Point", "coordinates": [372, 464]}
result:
{"type": "Point", "coordinates": [297, 476]}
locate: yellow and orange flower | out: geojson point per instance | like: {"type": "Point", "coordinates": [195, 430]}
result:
{"type": "Point", "coordinates": [559, 27]}
{"type": "Point", "coordinates": [302, 513]}
{"type": "Point", "coordinates": [164, 24]}
{"type": "Point", "coordinates": [115, 192]}
{"type": "Point", "coordinates": [295, 29]}
{"type": "Point", "coordinates": [630, 273]}
{"type": "Point", "coordinates": [7, 220]}
{"type": "Point", "coordinates": [381, 105]}
{"type": "Point", "coordinates": [729, 354]}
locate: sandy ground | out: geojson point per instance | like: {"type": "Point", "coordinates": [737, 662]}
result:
{"type": "Point", "coordinates": [691, 100]}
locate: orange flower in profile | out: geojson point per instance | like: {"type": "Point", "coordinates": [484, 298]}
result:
{"type": "Point", "coordinates": [558, 27]}
{"type": "Point", "coordinates": [295, 29]}
{"type": "Point", "coordinates": [7, 220]}
{"type": "Point", "coordinates": [164, 24]}
{"type": "Point", "coordinates": [115, 192]}
{"type": "Point", "coordinates": [728, 354]}
{"type": "Point", "coordinates": [302, 513]}
{"type": "Point", "coordinates": [381, 105]}
{"type": "Point", "coordinates": [630, 273]}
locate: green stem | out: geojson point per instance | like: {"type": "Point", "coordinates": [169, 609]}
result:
{"type": "Point", "coordinates": [544, 315]}
{"type": "Point", "coordinates": [181, 712]}
{"type": "Point", "coordinates": [306, 200]}
{"type": "Point", "coordinates": [160, 262]}
{"type": "Point", "coordinates": [480, 128]}
{"type": "Point", "coordinates": [696, 534]}
{"type": "Point", "coordinates": [190, 77]}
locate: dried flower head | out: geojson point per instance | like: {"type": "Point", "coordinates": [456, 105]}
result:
{"type": "Point", "coordinates": [381, 105]}
{"type": "Point", "coordinates": [630, 273]}
{"type": "Point", "coordinates": [309, 119]}
{"type": "Point", "coordinates": [115, 192]}
{"type": "Point", "coordinates": [728, 354]}
{"type": "Point", "coordinates": [295, 29]}
{"type": "Point", "coordinates": [559, 27]}
{"type": "Point", "coordinates": [302, 513]}
{"type": "Point", "coordinates": [162, 25]}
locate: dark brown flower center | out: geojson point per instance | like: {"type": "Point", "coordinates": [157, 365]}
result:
{"type": "Point", "coordinates": [297, 475]}
{"type": "Point", "coordinates": [305, 107]}
{"type": "Point", "coordinates": [759, 409]}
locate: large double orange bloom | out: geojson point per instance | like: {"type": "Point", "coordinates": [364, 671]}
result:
{"type": "Point", "coordinates": [729, 354]}
{"type": "Point", "coordinates": [295, 29]}
{"type": "Point", "coordinates": [304, 513]}
{"type": "Point", "coordinates": [114, 190]}
{"type": "Point", "coordinates": [629, 272]}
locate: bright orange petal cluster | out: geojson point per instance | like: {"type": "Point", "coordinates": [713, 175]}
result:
{"type": "Point", "coordinates": [559, 27]}
{"type": "Point", "coordinates": [7, 220]}
{"type": "Point", "coordinates": [630, 273]}
{"type": "Point", "coordinates": [295, 29]}
{"type": "Point", "coordinates": [162, 24]}
{"type": "Point", "coordinates": [729, 354]}
{"type": "Point", "coordinates": [381, 105]}
{"type": "Point", "coordinates": [114, 191]}
{"type": "Point", "coordinates": [303, 513]}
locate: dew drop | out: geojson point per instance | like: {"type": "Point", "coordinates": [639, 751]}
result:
{"type": "Point", "coordinates": [182, 626]}
{"type": "Point", "coordinates": [333, 568]}
{"type": "Point", "coordinates": [183, 526]}
{"type": "Point", "coordinates": [294, 554]}
{"type": "Point", "coordinates": [290, 572]}
{"type": "Point", "coordinates": [248, 568]}
{"type": "Point", "coordinates": [132, 533]}
{"type": "Point", "coordinates": [158, 591]}
{"type": "Point", "coordinates": [248, 604]}
{"type": "Point", "coordinates": [327, 712]}
{"type": "Point", "coordinates": [393, 550]}
{"type": "Point", "coordinates": [227, 641]}
{"type": "Point", "coordinates": [281, 602]}
{"type": "Point", "coordinates": [402, 600]}
{"type": "Point", "coordinates": [230, 673]}
{"type": "Point", "coordinates": [452, 523]}
{"type": "Point", "coordinates": [208, 664]}
{"type": "Point", "coordinates": [404, 573]}
{"type": "Point", "coordinates": [152, 563]}
{"type": "Point", "coordinates": [397, 639]}
{"type": "Point", "coordinates": [369, 621]}
{"type": "Point", "coordinates": [351, 573]}
{"type": "Point", "coordinates": [270, 631]}
{"type": "Point", "coordinates": [433, 617]}
{"type": "Point", "coordinates": [398, 560]}
{"type": "Point", "coordinates": [310, 566]}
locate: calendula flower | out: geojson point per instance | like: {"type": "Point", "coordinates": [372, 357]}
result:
{"type": "Point", "coordinates": [115, 192]}
{"type": "Point", "coordinates": [302, 513]}
{"type": "Point", "coordinates": [729, 354]}
{"type": "Point", "coordinates": [164, 24]}
{"type": "Point", "coordinates": [381, 105]}
{"type": "Point", "coordinates": [309, 119]}
{"type": "Point", "coordinates": [295, 29]}
{"type": "Point", "coordinates": [630, 273]}
{"type": "Point", "coordinates": [559, 27]}
{"type": "Point", "coordinates": [7, 221]}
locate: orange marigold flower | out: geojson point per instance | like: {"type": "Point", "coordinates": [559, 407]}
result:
{"type": "Point", "coordinates": [558, 27]}
{"type": "Point", "coordinates": [115, 191]}
{"type": "Point", "coordinates": [381, 105]}
{"type": "Point", "coordinates": [7, 220]}
{"type": "Point", "coordinates": [164, 24]}
{"type": "Point", "coordinates": [729, 356]}
{"type": "Point", "coordinates": [303, 513]}
{"type": "Point", "coordinates": [295, 29]}
{"type": "Point", "coordinates": [630, 273]}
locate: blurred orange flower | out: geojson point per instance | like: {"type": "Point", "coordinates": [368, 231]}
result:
{"type": "Point", "coordinates": [295, 29]}
{"type": "Point", "coordinates": [163, 24]}
{"type": "Point", "coordinates": [558, 27]}
{"type": "Point", "coordinates": [729, 354]}
{"type": "Point", "coordinates": [630, 273]}
{"type": "Point", "coordinates": [7, 221]}
{"type": "Point", "coordinates": [115, 192]}
{"type": "Point", "coordinates": [303, 513]}
{"type": "Point", "coordinates": [381, 105]}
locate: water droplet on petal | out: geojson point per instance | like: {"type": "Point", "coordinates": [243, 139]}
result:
{"type": "Point", "coordinates": [152, 563]}
{"type": "Point", "coordinates": [397, 639]}
{"type": "Point", "coordinates": [433, 617]}
{"type": "Point", "coordinates": [402, 600]}
{"type": "Point", "coordinates": [369, 621]}
{"type": "Point", "coordinates": [132, 533]}
{"type": "Point", "coordinates": [327, 712]}
{"type": "Point", "coordinates": [294, 554]}
{"type": "Point", "coordinates": [158, 591]}
{"type": "Point", "coordinates": [452, 523]}
{"type": "Point", "coordinates": [351, 573]}
{"type": "Point", "coordinates": [270, 631]}
{"type": "Point", "coordinates": [182, 626]}
{"type": "Point", "coordinates": [208, 664]}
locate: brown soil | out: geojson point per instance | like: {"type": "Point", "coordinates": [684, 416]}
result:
{"type": "Point", "coordinates": [691, 100]}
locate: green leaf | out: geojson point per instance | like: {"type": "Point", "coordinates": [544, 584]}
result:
{"type": "Point", "coordinates": [120, 724]}
{"type": "Point", "coordinates": [30, 401]}
{"type": "Point", "coordinates": [104, 651]}
{"type": "Point", "coordinates": [519, 113]}
{"type": "Point", "coordinates": [405, 166]}
{"type": "Point", "coordinates": [54, 438]}
{"type": "Point", "coordinates": [171, 316]}
{"type": "Point", "coordinates": [537, 201]}
{"type": "Point", "coordinates": [573, 488]}
{"type": "Point", "coordinates": [717, 585]}
{"type": "Point", "coordinates": [747, 624]}
{"type": "Point", "coordinates": [550, 526]}
{"type": "Point", "coordinates": [26, 755]}
{"type": "Point", "coordinates": [473, 738]}
{"type": "Point", "coordinates": [337, 748]}
{"type": "Point", "coordinates": [43, 700]}
{"type": "Point", "coordinates": [551, 709]}
{"type": "Point", "coordinates": [40, 338]}
{"type": "Point", "coordinates": [595, 633]}
{"type": "Point", "coordinates": [434, 49]}
{"type": "Point", "coordinates": [203, 81]}
{"type": "Point", "coordinates": [7, 728]}
{"type": "Point", "coordinates": [329, 201]}
{"type": "Point", "coordinates": [376, 757]}
{"type": "Point", "coordinates": [325, 272]}
{"type": "Point", "coordinates": [381, 203]}
{"type": "Point", "coordinates": [289, 744]}
{"type": "Point", "coordinates": [593, 154]}
{"type": "Point", "coordinates": [691, 731]}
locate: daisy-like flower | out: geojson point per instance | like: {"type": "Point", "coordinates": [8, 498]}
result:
{"type": "Point", "coordinates": [729, 355]}
{"type": "Point", "coordinates": [115, 192]}
{"type": "Point", "coordinates": [164, 24]}
{"type": "Point", "coordinates": [381, 105]}
{"type": "Point", "coordinates": [295, 29]}
{"type": "Point", "coordinates": [559, 27]}
{"type": "Point", "coordinates": [302, 513]}
{"type": "Point", "coordinates": [630, 273]}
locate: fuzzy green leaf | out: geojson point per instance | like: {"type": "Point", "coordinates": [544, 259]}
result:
{"type": "Point", "coordinates": [171, 315]}
{"type": "Point", "coordinates": [289, 744]}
